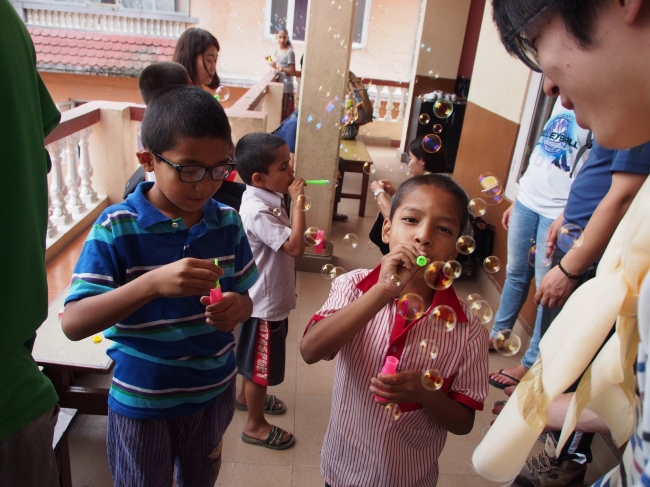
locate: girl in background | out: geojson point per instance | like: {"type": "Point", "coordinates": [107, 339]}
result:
{"type": "Point", "coordinates": [284, 62]}
{"type": "Point", "coordinates": [198, 50]}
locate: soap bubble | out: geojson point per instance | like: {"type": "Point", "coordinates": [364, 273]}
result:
{"type": "Point", "coordinates": [431, 143]}
{"type": "Point", "coordinates": [489, 184]}
{"type": "Point", "coordinates": [437, 128]}
{"type": "Point", "coordinates": [424, 118]}
{"type": "Point", "coordinates": [331, 32]}
{"type": "Point", "coordinates": [319, 125]}
{"type": "Point", "coordinates": [337, 272]}
{"type": "Point", "coordinates": [537, 257]}
{"type": "Point", "coordinates": [570, 236]}
{"type": "Point", "coordinates": [482, 310]}
{"type": "Point", "coordinates": [435, 277]}
{"type": "Point", "coordinates": [404, 169]}
{"type": "Point", "coordinates": [223, 93]}
{"type": "Point", "coordinates": [351, 241]}
{"type": "Point", "coordinates": [277, 211]}
{"type": "Point", "coordinates": [492, 264]}
{"type": "Point", "coordinates": [445, 315]}
{"type": "Point", "coordinates": [432, 379]}
{"type": "Point", "coordinates": [443, 108]}
{"type": "Point", "coordinates": [429, 50]}
{"type": "Point", "coordinates": [369, 168]}
{"type": "Point", "coordinates": [398, 66]}
{"type": "Point", "coordinates": [471, 298]}
{"type": "Point", "coordinates": [433, 74]}
{"type": "Point", "coordinates": [477, 207]}
{"type": "Point", "coordinates": [312, 238]}
{"type": "Point", "coordinates": [411, 306]}
{"type": "Point", "coordinates": [329, 108]}
{"type": "Point", "coordinates": [392, 411]}
{"type": "Point", "coordinates": [395, 280]}
{"type": "Point", "coordinates": [507, 343]}
{"type": "Point", "coordinates": [383, 8]}
{"type": "Point", "coordinates": [303, 202]}
{"type": "Point", "coordinates": [389, 167]}
{"type": "Point", "coordinates": [494, 200]}
{"type": "Point", "coordinates": [452, 269]}
{"type": "Point", "coordinates": [421, 98]}
{"type": "Point", "coordinates": [428, 348]}
{"type": "Point", "coordinates": [321, 89]}
{"type": "Point", "coordinates": [465, 244]}
{"type": "Point", "coordinates": [310, 118]}
{"type": "Point", "coordinates": [326, 271]}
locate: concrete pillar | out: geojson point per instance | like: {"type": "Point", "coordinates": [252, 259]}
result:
{"type": "Point", "coordinates": [435, 66]}
{"type": "Point", "coordinates": [327, 59]}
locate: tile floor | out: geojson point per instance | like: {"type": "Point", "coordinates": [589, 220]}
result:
{"type": "Point", "coordinates": [307, 388]}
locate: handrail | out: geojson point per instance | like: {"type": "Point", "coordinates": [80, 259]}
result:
{"type": "Point", "coordinates": [75, 120]}
{"type": "Point", "coordinates": [254, 95]}
{"type": "Point", "coordinates": [375, 81]}
{"type": "Point", "coordinates": [137, 112]}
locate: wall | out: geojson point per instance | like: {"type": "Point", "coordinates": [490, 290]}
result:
{"type": "Point", "coordinates": [495, 104]}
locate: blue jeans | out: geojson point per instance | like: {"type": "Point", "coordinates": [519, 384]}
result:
{"type": "Point", "coordinates": [525, 226]}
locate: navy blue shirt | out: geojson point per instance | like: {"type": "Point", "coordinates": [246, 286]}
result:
{"type": "Point", "coordinates": [287, 130]}
{"type": "Point", "coordinates": [595, 178]}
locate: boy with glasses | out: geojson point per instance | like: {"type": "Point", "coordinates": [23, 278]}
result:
{"type": "Point", "coordinates": [143, 278]}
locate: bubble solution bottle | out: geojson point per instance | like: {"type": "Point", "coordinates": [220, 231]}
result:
{"type": "Point", "coordinates": [389, 368]}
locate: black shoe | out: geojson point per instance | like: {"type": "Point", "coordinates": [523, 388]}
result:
{"type": "Point", "coordinates": [337, 217]}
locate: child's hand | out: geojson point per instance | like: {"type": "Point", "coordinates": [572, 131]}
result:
{"type": "Point", "coordinates": [399, 388]}
{"type": "Point", "coordinates": [388, 187]}
{"type": "Point", "coordinates": [296, 188]}
{"type": "Point", "coordinates": [399, 261]}
{"type": "Point", "coordinates": [186, 277]}
{"type": "Point", "coordinates": [225, 314]}
{"type": "Point", "coordinates": [375, 185]}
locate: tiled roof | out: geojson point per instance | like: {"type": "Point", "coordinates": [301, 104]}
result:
{"type": "Point", "coordinates": [102, 53]}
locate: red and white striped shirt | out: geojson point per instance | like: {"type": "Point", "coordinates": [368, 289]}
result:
{"type": "Point", "coordinates": [362, 446]}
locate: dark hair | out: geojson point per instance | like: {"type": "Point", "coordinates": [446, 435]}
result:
{"type": "Point", "coordinates": [159, 75]}
{"type": "Point", "coordinates": [286, 32]}
{"type": "Point", "coordinates": [191, 43]}
{"type": "Point", "coordinates": [436, 162]}
{"type": "Point", "coordinates": [578, 16]}
{"type": "Point", "coordinates": [255, 152]}
{"type": "Point", "coordinates": [442, 182]}
{"type": "Point", "coordinates": [178, 112]}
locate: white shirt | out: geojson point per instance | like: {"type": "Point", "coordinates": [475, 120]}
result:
{"type": "Point", "coordinates": [362, 447]}
{"type": "Point", "coordinates": [545, 186]}
{"type": "Point", "coordinates": [274, 293]}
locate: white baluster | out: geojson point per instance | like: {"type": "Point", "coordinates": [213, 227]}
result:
{"type": "Point", "coordinates": [28, 17]}
{"type": "Point", "coordinates": [399, 98]}
{"type": "Point", "coordinates": [88, 194]}
{"type": "Point", "coordinates": [51, 227]}
{"type": "Point", "coordinates": [60, 215]}
{"type": "Point", "coordinates": [48, 18]}
{"type": "Point", "coordinates": [138, 26]}
{"type": "Point", "coordinates": [373, 96]}
{"type": "Point", "coordinates": [72, 181]}
{"type": "Point", "coordinates": [156, 24]}
{"type": "Point", "coordinates": [387, 96]}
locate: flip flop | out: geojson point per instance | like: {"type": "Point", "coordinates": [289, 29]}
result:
{"type": "Point", "coordinates": [273, 440]}
{"type": "Point", "coordinates": [499, 385]}
{"type": "Point", "coordinates": [269, 406]}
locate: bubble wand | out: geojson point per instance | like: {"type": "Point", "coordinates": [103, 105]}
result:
{"type": "Point", "coordinates": [318, 182]}
{"type": "Point", "coordinates": [215, 294]}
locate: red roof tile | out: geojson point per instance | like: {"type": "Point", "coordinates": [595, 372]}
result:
{"type": "Point", "coordinates": [88, 52]}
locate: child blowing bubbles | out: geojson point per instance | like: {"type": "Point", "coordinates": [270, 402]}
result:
{"type": "Point", "coordinates": [263, 162]}
{"type": "Point", "coordinates": [359, 321]}
{"type": "Point", "coordinates": [144, 275]}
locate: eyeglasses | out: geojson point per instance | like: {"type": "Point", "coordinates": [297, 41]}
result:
{"type": "Point", "coordinates": [522, 46]}
{"type": "Point", "coordinates": [195, 173]}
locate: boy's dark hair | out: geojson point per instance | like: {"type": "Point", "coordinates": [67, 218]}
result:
{"type": "Point", "coordinates": [191, 43]}
{"type": "Point", "coordinates": [436, 162]}
{"type": "Point", "coordinates": [178, 112]}
{"type": "Point", "coordinates": [255, 152]}
{"type": "Point", "coordinates": [159, 75]}
{"type": "Point", "coordinates": [578, 16]}
{"type": "Point", "coordinates": [442, 182]}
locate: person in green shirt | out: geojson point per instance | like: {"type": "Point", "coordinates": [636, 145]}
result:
{"type": "Point", "coordinates": [28, 409]}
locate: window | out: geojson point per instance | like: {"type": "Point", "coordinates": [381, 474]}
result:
{"type": "Point", "coordinates": [537, 110]}
{"type": "Point", "coordinates": [292, 16]}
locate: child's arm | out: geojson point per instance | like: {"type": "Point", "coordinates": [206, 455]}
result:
{"type": "Point", "coordinates": [186, 277]}
{"type": "Point", "coordinates": [406, 386]}
{"type": "Point", "coordinates": [295, 244]}
{"type": "Point", "coordinates": [330, 334]}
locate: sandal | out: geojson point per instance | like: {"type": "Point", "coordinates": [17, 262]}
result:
{"type": "Point", "coordinates": [273, 440]}
{"type": "Point", "coordinates": [500, 385]}
{"type": "Point", "coordinates": [269, 405]}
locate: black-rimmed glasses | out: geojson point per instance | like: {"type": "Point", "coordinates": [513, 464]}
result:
{"type": "Point", "coordinates": [522, 46]}
{"type": "Point", "coordinates": [195, 173]}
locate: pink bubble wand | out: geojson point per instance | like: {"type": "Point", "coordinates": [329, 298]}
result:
{"type": "Point", "coordinates": [215, 294]}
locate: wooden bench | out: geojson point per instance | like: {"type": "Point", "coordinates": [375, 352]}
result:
{"type": "Point", "coordinates": [62, 358]}
{"type": "Point", "coordinates": [355, 157]}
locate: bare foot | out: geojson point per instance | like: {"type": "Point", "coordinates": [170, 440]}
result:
{"type": "Point", "coordinates": [515, 373]}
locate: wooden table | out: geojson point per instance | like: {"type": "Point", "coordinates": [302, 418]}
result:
{"type": "Point", "coordinates": [61, 358]}
{"type": "Point", "coordinates": [355, 157]}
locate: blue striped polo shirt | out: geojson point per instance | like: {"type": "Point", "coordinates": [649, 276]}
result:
{"type": "Point", "coordinates": [168, 361]}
